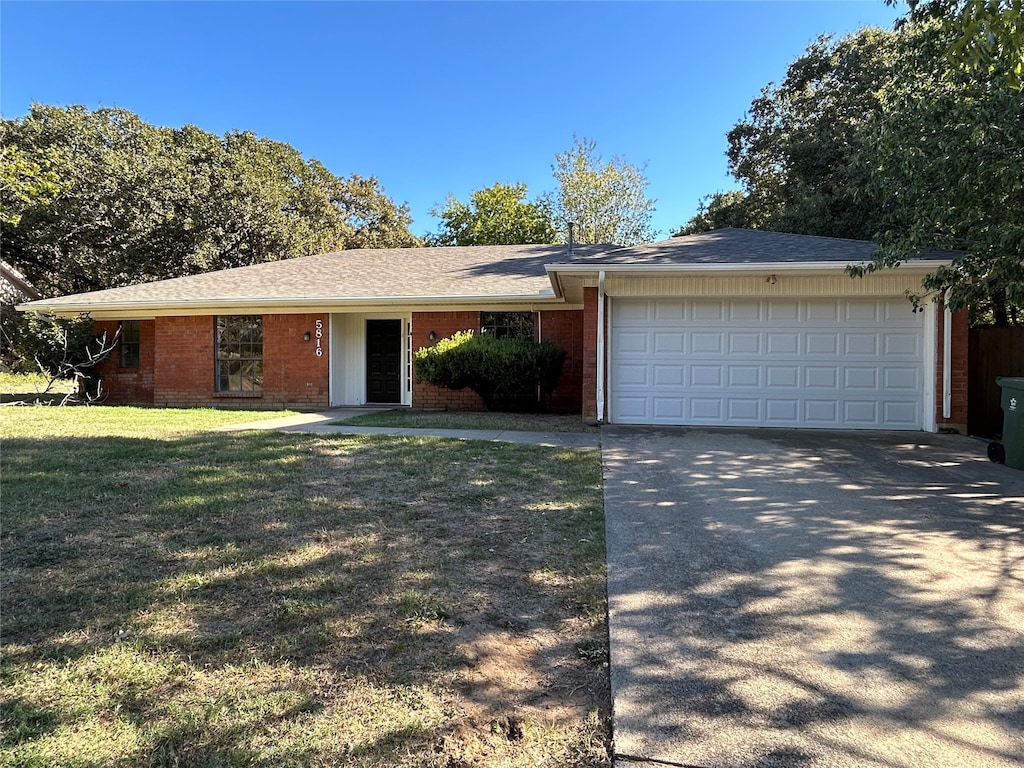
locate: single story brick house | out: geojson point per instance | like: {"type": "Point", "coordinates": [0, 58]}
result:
{"type": "Point", "coordinates": [727, 328]}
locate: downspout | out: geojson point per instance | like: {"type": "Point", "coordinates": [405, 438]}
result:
{"type": "Point", "coordinates": [600, 347]}
{"type": "Point", "coordinates": [947, 358]}
{"type": "Point", "coordinates": [540, 340]}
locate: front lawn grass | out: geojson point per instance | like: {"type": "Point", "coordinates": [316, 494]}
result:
{"type": "Point", "coordinates": [177, 597]}
{"type": "Point", "coordinates": [42, 422]}
{"type": "Point", "coordinates": [484, 420]}
{"type": "Point", "coordinates": [29, 387]}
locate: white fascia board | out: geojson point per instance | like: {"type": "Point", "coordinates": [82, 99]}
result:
{"type": "Point", "coordinates": [554, 270]}
{"type": "Point", "coordinates": [265, 304]}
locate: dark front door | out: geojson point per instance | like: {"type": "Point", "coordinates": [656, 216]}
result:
{"type": "Point", "coordinates": [383, 361]}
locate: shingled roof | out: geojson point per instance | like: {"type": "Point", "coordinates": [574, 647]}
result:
{"type": "Point", "coordinates": [456, 275]}
{"type": "Point", "coordinates": [502, 272]}
{"type": "Point", "coordinates": [746, 246]}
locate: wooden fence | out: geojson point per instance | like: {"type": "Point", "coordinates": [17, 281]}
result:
{"type": "Point", "coordinates": [993, 352]}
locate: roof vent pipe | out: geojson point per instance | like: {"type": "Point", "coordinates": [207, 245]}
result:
{"type": "Point", "coordinates": [572, 228]}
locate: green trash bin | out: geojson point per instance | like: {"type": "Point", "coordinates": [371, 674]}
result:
{"type": "Point", "coordinates": [1013, 420]}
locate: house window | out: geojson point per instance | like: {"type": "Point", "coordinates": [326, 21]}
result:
{"type": "Point", "coordinates": [240, 353]}
{"type": "Point", "coordinates": [130, 344]}
{"type": "Point", "coordinates": [509, 325]}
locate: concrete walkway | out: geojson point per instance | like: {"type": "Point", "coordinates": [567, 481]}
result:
{"type": "Point", "coordinates": [810, 599]}
{"type": "Point", "coordinates": [320, 423]}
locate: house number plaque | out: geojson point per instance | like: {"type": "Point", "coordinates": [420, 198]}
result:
{"type": "Point", "coordinates": [319, 336]}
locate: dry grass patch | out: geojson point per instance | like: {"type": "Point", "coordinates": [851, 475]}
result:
{"type": "Point", "coordinates": [414, 418]}
{"type": "Point", "coordinates": [267, 599]}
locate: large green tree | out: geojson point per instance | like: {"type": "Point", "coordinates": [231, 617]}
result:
{"type": "Point", "coordinates": [986, 36]}
{"type": "Point", "coordinates": [946, 155]}
{"type": "Point", "coordinates": [793, 151]}
{"type": "Point", "coordinates": [497, 215]}
{"type": "Point", "coordinates": [99, 198]}
{"type": "Point", "coordinates": [606, 200]}
{"type": "Point", "coordinates": [882, 135]}
{"type": "Point", "coordinates": [719, 210]}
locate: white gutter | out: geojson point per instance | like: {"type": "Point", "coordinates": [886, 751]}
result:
{"type": "Point", "coordinates": [600, 347]}
{"type": "Point", "coordinates": [785, 266]}
{"type": "Point", "coordinates": [314, 303]}
{"type": "Point", "coordinates": [947, 359]}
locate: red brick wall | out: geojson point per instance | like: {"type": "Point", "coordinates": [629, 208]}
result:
{"type": "Point", "coordinates": [561, 327]}
{"type": "Point", "coordinates": [564, 327]}
{"type": "Point", "coordinates": [443, 324]}
{"type": "Point", "coordinates": [177, 363]}
{"type": "Point", "coordinates": [958, 365]}
{"type": "Point", "coordinates": [589, 356]}
{"type": "Point", "coordinates": [128, 385]}
{"type": "Point", "coordinates": [293, 375]}
{"type": "Point", "coordinates": [184, 358]}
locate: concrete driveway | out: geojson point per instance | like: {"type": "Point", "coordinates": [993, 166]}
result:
{"type": "Point", "coordinates": [782, 598]}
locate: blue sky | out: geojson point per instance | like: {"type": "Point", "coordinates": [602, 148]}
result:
{"type": "Point", "coordinates": [433, 98]}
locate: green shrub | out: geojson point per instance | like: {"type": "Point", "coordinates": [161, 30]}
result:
{"type": "Point", "coordinates": [501, 371]}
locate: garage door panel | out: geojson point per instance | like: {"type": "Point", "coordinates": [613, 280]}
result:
{"type": "Point", "coordinates": [900, 414]}
{"type": "Point", "coordinates": [821, 344]}
{"type": "Point", "coordinates": [669, 375]}
{"type": "Point", "coordinates": [707, 310]}
{"type": "Point", "coordinates": [863, 311]}
{"type": "Point", "coordinates": [902, 344]}
{"type": "Point", "coordinates": [668, 310]}
{"type": "Point", "coordinates": [821, 377]}
{"type": "Point", "coordinates": [782, 412]}
{"type": "Point", "coordinates": [706, 409]}
{"type": "Point", "coordinates": [782, 376]}
{"type": "Point", "coordinates": [762, 362]}
{"type": "Point", "coordinates": [707, 343]}
{"type": "Point", "coordinates": [783, 311]}
{"type": "Point", "coordinates": [706, 376]}
{"type": "Point", "coordinates": [860, 378]}
{"type": "Point", "coordinates": [823, 413]}
{"type": "Point", "coordinates": [861, 412]}
{"type": "Point", "coordinates": [861, 344]}
{"type": "Point", "coordinates": [632, 342]}
{"type": "Point", "coordinates": [907, 379]}
{"type": "Point", "coordinates": [632, 409]}
{"type": "Point", "coordinates": [744, 411]}
{"type": "Point", "coordinates": [634, 375]}
{"type": "Point", "coordinates": [822, 311]}
{"type": "Point", "coordinates": [744, 375]}
{"type": "Point", "coordinates": [668, 408]}
{"type": "Point", "coordinates": [633, 312]}
{"type": "Point", "coordinates": [897, 311]}
{"type": "Point", "coordinates": [745, 343]}
{"type": "Point", "coordinates": [668, 342]}
{"type": "Point", "coordinates": [744, 311]}
{"type": "Point", "coordinates": [787, 343]}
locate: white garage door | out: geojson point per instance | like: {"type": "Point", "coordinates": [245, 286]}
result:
{"type": "Point", "coordinates": [828, 363]}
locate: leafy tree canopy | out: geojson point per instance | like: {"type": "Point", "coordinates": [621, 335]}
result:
{"type": "Point", "coordinates": [99, 199]}
{"type": "Point", "coordinates": [881, 135]}
{"type": "Point", "coordinates": [719, 210]}
{"type": "Point", "coordinates": [606, 200]}
{"type": "Point", "coordinates": [986, 36]}
{"type": "Point", "coordinates": [498, 215]}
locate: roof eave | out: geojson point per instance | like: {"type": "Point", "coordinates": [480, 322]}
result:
{"type": "Point", "coordinates": [203, 307]}
{"type": "Point", "coordinates": [554, 270]}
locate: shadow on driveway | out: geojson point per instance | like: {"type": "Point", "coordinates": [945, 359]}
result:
{"type": "Point", "coordinates": [804, 599]}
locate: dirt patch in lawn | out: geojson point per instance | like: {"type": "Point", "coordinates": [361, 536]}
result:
{"type": "Point", "coordinates": [273, 599]}
{"type": "Point", "coordinates": [416, 418]}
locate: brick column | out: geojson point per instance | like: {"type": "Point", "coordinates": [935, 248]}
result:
{"type": "Point", "coordinates": [959, 339]}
